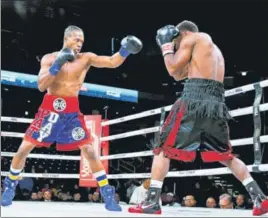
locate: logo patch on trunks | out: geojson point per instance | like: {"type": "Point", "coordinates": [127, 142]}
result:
{"type": "Point", "coordinates": [78, 133]}
{"type": "Point", "coordinates": [59, 104]}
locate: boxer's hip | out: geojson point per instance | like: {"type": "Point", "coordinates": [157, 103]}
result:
{"type": "Point", "coordinates": [59, 104]}
{"type": "Point", "coordinates": [197, 121]}
{"type": "Point", "coordinates": [204, 98]}
{"type": "Point", "coordinates": [58, 120]}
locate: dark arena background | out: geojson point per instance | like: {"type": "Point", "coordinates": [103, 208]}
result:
{"type": "Point", "coordinates": [30, 29]}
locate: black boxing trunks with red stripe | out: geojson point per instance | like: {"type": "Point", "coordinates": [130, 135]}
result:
{"type": "Point", "coordinates": [198, 121]}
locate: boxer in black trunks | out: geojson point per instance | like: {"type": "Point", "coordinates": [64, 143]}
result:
{"type": "Point", "coordinates": [198, 119]}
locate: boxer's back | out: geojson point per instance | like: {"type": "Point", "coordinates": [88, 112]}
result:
{"type": "Point", "coordinates": [207, 60]}
{"type": "Point", "coordinates": [70, 78]}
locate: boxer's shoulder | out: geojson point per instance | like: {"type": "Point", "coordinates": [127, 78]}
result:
{"type": "Point", "coordinates": [202, 37]}
{"type": "Point", "coordinates": [89, 55]}
{"type": "Point", "coordinates": [48, 58]}
{"type": "Point", "coordinates": [189, 40]}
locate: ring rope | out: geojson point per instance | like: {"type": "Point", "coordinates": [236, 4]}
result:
{"type": "Point", "coordinates": [236, 142]}
{"type": "Point", "coordinates": [187, 173]}
{"type": "Point", "coordinates": [234, 113]}
{"type": "Point", "coordinates": [228, 93]}
{"type": "Point", "coordinates": [204, 172]}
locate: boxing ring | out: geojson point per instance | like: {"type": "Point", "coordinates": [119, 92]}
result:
{"type": "Point", "coordinates": [59, 209]}
{"type": "Point", "coordinates": [55, 209]}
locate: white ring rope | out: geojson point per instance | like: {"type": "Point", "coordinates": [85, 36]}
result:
{"type": "Point", "coordinates": [187, 173]}
{"type": "Point", "coordinates": [228, 93]}
{"type": "Point", "coordinates": [234, 113]}
{"type": "Point", "coordinates": [236, 142]}
{"type": "Point", "coordinates": [204, 172]}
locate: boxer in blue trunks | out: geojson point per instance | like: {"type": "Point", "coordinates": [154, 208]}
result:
{"type": "Point", "coordinates": [59, 118]}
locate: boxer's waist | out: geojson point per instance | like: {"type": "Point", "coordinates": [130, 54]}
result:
{"type": "Point", "coordinates": [203, 89]}
{"type": "Point", "coordinates": [60, 104]}
{"type": "Point", "coordinates": [204, 98]}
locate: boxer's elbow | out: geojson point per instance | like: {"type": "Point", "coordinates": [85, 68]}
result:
{"type": "Point", "coordinates": [171, 68]}
{"type": "Point", "coordinates": [172, 71]}
{"type": "Point", "coordinates": [44, 81]}
{"type": "Point", "coordinates": [41, 87]}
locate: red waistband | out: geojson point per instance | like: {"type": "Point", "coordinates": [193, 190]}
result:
{"type": "Point", "coordinates": [60, 104]}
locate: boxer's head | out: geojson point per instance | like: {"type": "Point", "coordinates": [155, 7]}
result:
{"type": "Point", "coordinates": [185, 27]}
{"type": "Point", "coordinates": [74, 38]}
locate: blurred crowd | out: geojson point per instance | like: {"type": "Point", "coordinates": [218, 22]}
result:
{"type": "Point", "coordinates": [134, 192]}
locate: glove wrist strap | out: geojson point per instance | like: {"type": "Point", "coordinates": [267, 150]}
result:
{"type": "Point", "coordinates": [54, 69]}
{"type": "Point", "coordinates": [167, 48]}
{"type": "Point", "coordinates": [123, 52]}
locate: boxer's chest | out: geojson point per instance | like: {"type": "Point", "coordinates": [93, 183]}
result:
{"type": "Point", "coordinates": [74, 71]}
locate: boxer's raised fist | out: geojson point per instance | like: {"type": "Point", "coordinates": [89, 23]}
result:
{"type": "Point", "coordinates": [66, 54]}
{"type": "Point", "coordinates": [164, 38]}
{"type": "Point", "coordinates": [130, 45]}
{"type": "Point", "coordinates": [166, 34]}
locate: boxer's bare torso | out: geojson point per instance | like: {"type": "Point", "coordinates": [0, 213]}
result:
{"type": "Point", "coordinates": [71, 76]}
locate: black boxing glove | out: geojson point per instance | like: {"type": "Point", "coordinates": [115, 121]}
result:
{"type": "Point", "coordinates": [66, 54]}
{"type": "Point", "coordinates": [164, 38]}
{"type": "Point", "coordinates": [130, 45]}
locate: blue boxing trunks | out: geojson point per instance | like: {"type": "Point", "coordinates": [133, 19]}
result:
{"type": "Point", "coordinates": [58, 120]}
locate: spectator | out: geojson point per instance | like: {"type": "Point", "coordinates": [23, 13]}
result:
{"type": "Point", "coordinates": [240, 202]}
{"type": "Point", "coordinates": [59, 196]}
{"type": "Point", "coordinates": [76, 189]}
{"type": "Point", "coordinates": [164, 195]}
{"type": "Point", "coordinates": [117, 199]}
{"type": "Point", "coordinates": [26, 184]}
{"type": "Point", "coordinates": [211, 203]}
{"type": "Point", "coordinates": [140, 193]}
{"type": "Point", "coordinates": [65, 197]}
{"type": "Point", "coordinates": [77, 197]}
{"type": "Point", "coordinates": [34, 196]}
{"type": "Point", "coordinates": [96, 197]}
{"type": "Point", "coordinates": [25, 194]}
{"type": "Point", "coordinates": [225, 201]}
{"type": "Point", "coordinates": [130, 189]}
{"type": "Point", "coordinates": [47, 196]}
{"type": "Point", "coordinates": [171, 200]}
{"type": "Point", "coordinates": [40, 196]}
{"type": "Point", "coordinates": [90, 197]}
{"type": "Point", "coordinates": [189, 201]}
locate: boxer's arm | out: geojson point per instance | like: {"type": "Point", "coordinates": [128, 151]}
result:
{"type": "Point", "coordinates": [129, 45]}
{"type": "Point", "coordinates": [176, 62]}
{"type": "Point", "coordinates": [105, 61]}
{"type": "Point", "coordinates": [45, 79]}
{"type": "Point", "coordinates": [180, 75]}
